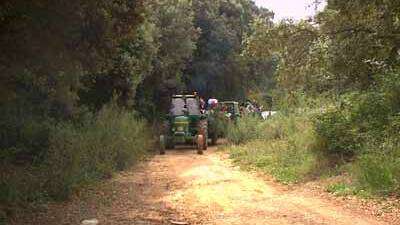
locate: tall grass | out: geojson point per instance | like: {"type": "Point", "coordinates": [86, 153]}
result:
{"type": "Point", "coordinates": [378, 171]}
{"type": "Point", "coordinates": [282, 146]}
{"type": "Point", "coordinates": [248, 128]}
{"type": "Point", "coordinates": [357, 132]}
{"type": "Point", "coordinates": [79, 153]}
{"type": "Point", "coordinates": [94, 150]}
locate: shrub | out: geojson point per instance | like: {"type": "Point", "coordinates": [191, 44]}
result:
{"type": "Point", "coordinates": [360, 128]}
{"type": "Point", "coordinates": [93, 150]}
{"type": "Point", "coordinates": [248, 128]}
{"type": "Point", "coordinates": [282, 146]}
{"type": "Point", "coordinates": [359, 118]}
{"type": "Point", "coordinates": [79, 152]}
{"type": "Point", "coordinates": [378, 170]}
{"type": "Point", "coordinates": [336, 133]}
{"type": "Point", "coordinates": [19, 186]}
{"type": "Point", "coordinates": [218, 124]}
{"type": "Point", "coordinates": [23, 134]}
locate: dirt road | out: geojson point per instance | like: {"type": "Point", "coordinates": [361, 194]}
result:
{"type": "Point", "coordinates": [182, 187]}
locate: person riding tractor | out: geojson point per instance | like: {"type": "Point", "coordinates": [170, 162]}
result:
{"type": "Point", "coordinates": [185, 124]}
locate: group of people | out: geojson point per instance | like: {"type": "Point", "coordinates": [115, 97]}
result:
{"type": "Point", "coordinates": [211, 103]}
{"type": "Point", "coordinates": [251, 107]}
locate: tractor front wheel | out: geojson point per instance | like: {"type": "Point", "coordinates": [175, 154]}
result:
{"type": "Point", "coordinates": [200, 144]}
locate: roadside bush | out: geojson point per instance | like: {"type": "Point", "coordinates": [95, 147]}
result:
{"type": "Point", "coordinates": [358, 129]}
{"type": "Point", "coordinates": [336, 133]}
{"type": "Point", "coordinates": [20, 185]}
{"type": "Point", "coordinates": [282, 146]}
{"type": "Point", "coordinates": [358, 119]}
{"type": "Point", "coordinates": [247, 129]}
{"type": "Point", "coordinates": [82, 151]}
{"type": "Point", "coordinates": [363, 129]}
{"type": "Point", "coordinates": [378, 171]}
{"type": "Point", "coordinates": [78, 154]}
{"type": "Point", "coordinates": [22, 132]}
{"type": "Point", "coordinates": [218, 124]}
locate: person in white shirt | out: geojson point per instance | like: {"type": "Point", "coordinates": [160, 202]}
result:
{"type": "Point", "coordinates": [212, 103]}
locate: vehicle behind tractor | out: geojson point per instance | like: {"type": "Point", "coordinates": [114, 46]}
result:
{"type": "Point", "coordinates": [231, 110]}
{"type": "Point", "coordinates": [185, 124]}
{"type": "Point", "coordinates": [219, 117]}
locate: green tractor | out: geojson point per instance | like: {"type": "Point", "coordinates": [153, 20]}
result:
{"type": "Point", "coordinates": [185, 124]}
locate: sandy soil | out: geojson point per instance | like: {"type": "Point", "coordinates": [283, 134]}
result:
{"type": "Point", "coordinates": [182, 187]}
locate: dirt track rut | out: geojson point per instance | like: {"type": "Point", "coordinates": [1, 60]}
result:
{"type": "Point", "coordinates": [182, 187]}
{"type": "Point", "coordinates": [209, 190]}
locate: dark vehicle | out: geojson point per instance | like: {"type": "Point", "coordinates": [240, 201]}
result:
{"type": "Point", "coordinates": [230, 109]}
{"type": "Point", "coordinates": [185, 124]}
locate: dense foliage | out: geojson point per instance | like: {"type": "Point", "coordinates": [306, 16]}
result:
{"type": "Point", "coordinates": [64, 62]}
{"type": "Point", "coordinates": [283, 146]}
{"type": "Point", "coordinates": [77, 155]}
{"type": "Point", "coordinates": [218, 69]}
{"type": "Point", "coordinates": [347, 57]}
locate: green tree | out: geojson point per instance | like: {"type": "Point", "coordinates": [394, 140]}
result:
{"type": "Point", "coordinates": [217, 68]}
{"type": "Point", "coordinates": [128, 68]}
{"type": "Point", "coordinates": [364, 38]}
{"type": "Point", "coordinates": [177, 36]}
{"type": "Point", "coordinates": [47, 48]}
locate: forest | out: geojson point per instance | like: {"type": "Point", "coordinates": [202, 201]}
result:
{"type": "Point", "coordinates": [84, 84]}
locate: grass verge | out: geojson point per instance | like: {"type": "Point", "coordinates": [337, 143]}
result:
{"type": "Point", "coordinates": [283, 147]}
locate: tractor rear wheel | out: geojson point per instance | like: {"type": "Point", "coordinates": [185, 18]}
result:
{"type": "Point", "coordinates": [200, 144]}
{"type": "Point", "coordinates": [162, 144]}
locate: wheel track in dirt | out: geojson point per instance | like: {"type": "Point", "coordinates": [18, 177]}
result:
{"type": "Point", "coordinates": [182, 186]}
